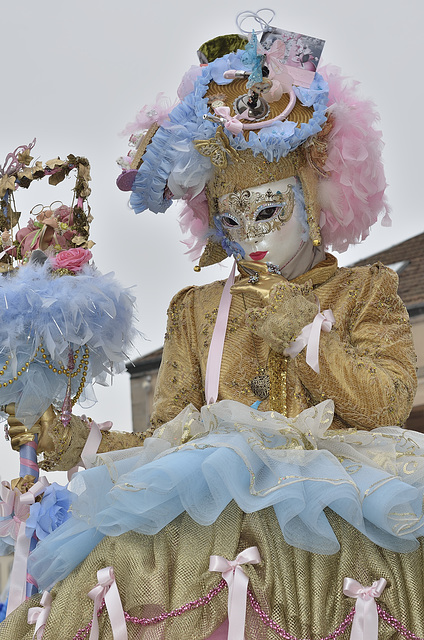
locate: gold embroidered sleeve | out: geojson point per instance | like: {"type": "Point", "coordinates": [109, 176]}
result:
{"type": "Point", "coordinates": [179, 380]}
{"type": "Point", "coordinates": [367, 361]}
{"type": "Point", "coordinates": [116, 440]}
{"type": "Point", "coordinates": [68, 443]}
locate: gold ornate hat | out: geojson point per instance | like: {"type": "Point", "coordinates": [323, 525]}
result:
{"type": "Point", "coordinates": [251, 113]}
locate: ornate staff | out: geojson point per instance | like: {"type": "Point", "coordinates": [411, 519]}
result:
{"type": "Point", "coordinates": [63, 326]}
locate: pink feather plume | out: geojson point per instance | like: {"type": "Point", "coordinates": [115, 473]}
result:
{"type": "Point", "coordinates": [194, 218]}
{"type": "Point", "coordinates": [149, 114]}
{"type": "Point", "coordinates": [353, 197]}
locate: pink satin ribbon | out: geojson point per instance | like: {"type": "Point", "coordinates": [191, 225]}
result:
{"type": "Point", "coordinates": [28, 459]}
{"type": "Point", "coordinates": [15, 507]}
{"type": "Point", "coordinates": [39, 615]}
{"type": "Point", "coordinates": [310, 336]}
{"type": "Point", "coordinates": [106, 589]}
{"type": "Point", "coordinates": [365, 622]}
{"type": "Point", "coordinates": [237, 582]}
{"type": "Point", "coordinates": [92, 444]}
{"type": "Point", "coordinates": [232, 123]}
{"type": "Point", "coordinates": [213, 366]}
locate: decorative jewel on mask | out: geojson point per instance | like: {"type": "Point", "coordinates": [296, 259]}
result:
{"type": "Point", "coordinates": [217, 149]}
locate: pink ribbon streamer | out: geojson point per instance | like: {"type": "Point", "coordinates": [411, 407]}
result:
{"type": "Point", "coordinates": [213, 366]}
{"type": "Point", "coordinates": [39, 615]}
{"type": "Point", "coordinates": [92, 444]}
{"type": "Point", "coordinates": [106, 589]}
{"type": "Point", "coordinates": [15, 527]}
{"type": "Point", "coordinates": [365, 622]}
{"type": "Point", "coordinates": [310, 336]}
{"type": "Point", "coordinates": [237, 582]}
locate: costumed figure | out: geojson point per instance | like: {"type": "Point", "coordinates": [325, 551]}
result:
{"type": "Point", "coordinates": [277, 494]}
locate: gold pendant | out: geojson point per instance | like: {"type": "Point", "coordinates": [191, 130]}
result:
{"type": "Point", "coordinates": [260, 384]}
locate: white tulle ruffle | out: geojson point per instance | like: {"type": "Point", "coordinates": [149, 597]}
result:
{"type": "Point", "coordinates": [200, 461]}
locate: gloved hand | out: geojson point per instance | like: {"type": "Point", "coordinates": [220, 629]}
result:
{"type": "Point", "coordinates": [259, 285]}
{"type": "Point", "coordinates": [290, 308]}
{"type": "Point", "coordinates": [20, 435]}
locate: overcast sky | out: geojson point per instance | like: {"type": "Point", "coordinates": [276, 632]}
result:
{"type": "Point", "coordinates": [74, 73]}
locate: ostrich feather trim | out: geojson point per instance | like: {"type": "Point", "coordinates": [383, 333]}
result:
{"type": "Point", "coordinates": [38, 310]}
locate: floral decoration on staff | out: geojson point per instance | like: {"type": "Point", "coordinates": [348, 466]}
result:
{"type": "Point", "coordinates": [52, 229]}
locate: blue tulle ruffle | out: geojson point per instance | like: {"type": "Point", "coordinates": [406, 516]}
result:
{"type": "Point", "coordinates": [259, 460]}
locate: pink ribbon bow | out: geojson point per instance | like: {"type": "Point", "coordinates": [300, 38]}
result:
{"type": "Point", "coordinates": [15, 507]}
{"type": "Point", "coordinates": [365, 622]}
{"type": "Point", "coordinates": [106, 589]}
{"type": "Point", "coordinates": [278, 71]}
{"type": "Point", "coordinates": [237, 582]}
{"type": "Point", "coordinates": [9, 527]}
{"type": "Point", "coordinates": [232, 123]}
{"type": "Point", "coordinates": [39, 615]}
{"type": "Point", "coordinates": [310, 336]}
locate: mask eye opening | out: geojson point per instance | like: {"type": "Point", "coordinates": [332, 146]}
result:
{"type": "Point", "coordinates": [267, 212]}
{"type": "Point", "coordinates": [229, 221]}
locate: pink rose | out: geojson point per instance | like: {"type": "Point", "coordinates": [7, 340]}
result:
{"type": "Point", "coordinates": [72, 259]}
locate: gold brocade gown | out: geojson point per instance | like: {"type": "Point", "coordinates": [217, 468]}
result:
{"type": "Point", "coordinates": [367, 369]}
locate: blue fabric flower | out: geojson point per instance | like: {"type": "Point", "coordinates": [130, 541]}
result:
{"type": "Point", "coordinates": [51, 512]}
{"type": "Point", "coordinates": [3, 608]}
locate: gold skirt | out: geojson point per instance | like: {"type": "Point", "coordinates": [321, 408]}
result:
{"type": "Point", "coordinates": [302, 592]}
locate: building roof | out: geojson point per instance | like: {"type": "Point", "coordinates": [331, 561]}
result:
{"type": "Point", "coordinates": [145, 364]}
{"type": "Point", "coordinates": [407, 259]}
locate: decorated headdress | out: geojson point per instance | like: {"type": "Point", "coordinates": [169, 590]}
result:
{"type": "Point", "coordinates": [255, 112]}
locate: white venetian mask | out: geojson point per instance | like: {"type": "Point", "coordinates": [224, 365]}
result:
{"type": "Point", "coordinates": [265, 221]}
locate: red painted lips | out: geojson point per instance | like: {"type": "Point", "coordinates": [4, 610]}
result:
{"type": "Point", "coordinates": [258, 255]}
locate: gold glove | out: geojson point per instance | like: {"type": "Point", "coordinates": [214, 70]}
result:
{"type": "Point", "coordinates": [20, 435]}
{"type": "Point", "coordinates": [291, 307]}
{"type": "Point", "coordinates": [256, 271]}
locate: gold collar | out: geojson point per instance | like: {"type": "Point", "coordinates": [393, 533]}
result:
{"type": "Point", "coordinates": [319, 274]}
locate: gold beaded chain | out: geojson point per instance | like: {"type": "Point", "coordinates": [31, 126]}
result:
{"type": "Point", "coordinates": [83, 366]}
{"type": "Point", "coordinates": [21, 370]}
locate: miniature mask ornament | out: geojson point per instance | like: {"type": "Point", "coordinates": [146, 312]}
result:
{"type": "Point", "coordinates": [265, 221]}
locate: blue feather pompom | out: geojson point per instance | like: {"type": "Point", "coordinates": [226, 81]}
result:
{"type": "Point", "coordinates": [43, 317]}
